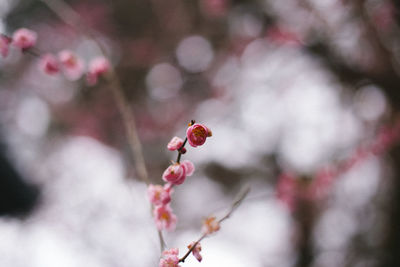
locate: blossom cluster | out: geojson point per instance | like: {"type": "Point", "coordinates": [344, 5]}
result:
{"type": "Point", "coordinates": [291, 188]}
{"type": "Point", "coordinates": [73, 67]}
{"type": "Point", "coordinates": [174, 175]}
{"type": "Point", "coordinates": [21, 38]}
{"type": "Point", "coordinates": [69, 63]}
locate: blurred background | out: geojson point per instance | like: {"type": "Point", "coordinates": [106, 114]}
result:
{"type": "Point", "coordinates": [292, 90]}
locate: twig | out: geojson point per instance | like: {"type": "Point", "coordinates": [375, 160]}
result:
{"type": "Point", "coordinates": [193, 247]}
{"type": "Point", "coordinates": [235, 204]}
{"type": "Point", "coordinates": [72, 18]}
{"type": "Point", "coordinates": [178, 159]}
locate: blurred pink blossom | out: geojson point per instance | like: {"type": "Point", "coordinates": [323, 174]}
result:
{"type": "Point", "coordinates": [24, 38]}
{"type": "Point", "coordinates": [210, 225]}
{"type": "Point", "coordinates": [175, 143]}
{"type": "Point", "coordinates": [164, 218]}
{"type": "Point", "coordinates": [197, 134]}
{"type": "Point", "coordinates": [48, 64]}
{"type": "Point", "coordinates": [97, 67]}
{"type": "Point", "coordinates": [170, 258]}
{"type": "Point", "coordinates": [72, 65]}
{"type": "Point", "coordinates": [4, 44]}
{"type": "Point", "coordinates": [159, 195]}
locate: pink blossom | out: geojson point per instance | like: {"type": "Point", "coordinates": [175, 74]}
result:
{"type": "Point", "coordinates": [175, 143]}
{"type": "Point", "coordinates": [170, 258]}
{"type": "Point", "coordinates": [97, 67]}
{"type": "Point", "coordinates": [164, 218]}
{"type": "Point", "coordinates": [197, 134]}
{"type": "Point", "coordinates": [71, 64]}
{"type": "Point", "coordinates": [49, 64]}
{"type": "Point", "coordinates": [210, 225]}
{"type": "Point", "coordinates": [24, 38]}
{"type": "Point", "coordinates": [159, 195]}
{"type": "Point", "coordinates": [176, 173]}
{"type": "Point", "coordinates": [196, 251]}
{"type": "Point", "coordinates": [4, 44]}
{"type": "Point", "coordinates": [188, 166]}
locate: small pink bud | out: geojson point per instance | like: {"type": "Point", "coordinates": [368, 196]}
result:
{"type": "Point", "coordinates": [97, 67]}
{"type": "Point", "coordinates": [49, 64]}
{"type": "Point", "coordinates": [175, 143]}
{"type": "Point", "coordinates": [196, 251]}
{"type": "Point", "coordinates": [164, 218]}
{"type": "Point", "coordinates": [71, 64]}
{"type": "Point", "coordinates": [183, 150]}
{"type": "Point", "coordinates": [170, 258]}
{"type": "Point", "coordinates": [159, 195]}
{"type": "Point", "coordinates": [210, 225]}
{"type": "Point", "coordinates": [197, 134]}
{"type": "Point", "coordinates": [24, 38]}
{"type": "Point", "coordinates": [4, 44]}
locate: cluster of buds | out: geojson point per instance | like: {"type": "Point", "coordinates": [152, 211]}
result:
{"type": "Point", "coordinates": [291, 188]}
{"type": "Point", "coordinates": [175, 174]}
{"type": "Point", "coordinates": [67, 62]}
{"type": "Point", "coordinates": [73, 67]}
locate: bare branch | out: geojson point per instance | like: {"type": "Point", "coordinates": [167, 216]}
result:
{"type": "Point", "coordinates": [72, 18]}
{"type": "Point", "coordinates": [235, 204]}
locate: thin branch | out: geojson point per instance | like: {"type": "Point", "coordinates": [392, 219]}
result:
{"type": "Point", "coordinates": [178, 159]}
{"type": "Point", "coordinates": [235, 204]}
{"type": "Point", "coordinates": [130, 125]}
{"type": "Point", "coordinates": [192, 248]}
{"type": "Point", "coordinates": [238, 200]}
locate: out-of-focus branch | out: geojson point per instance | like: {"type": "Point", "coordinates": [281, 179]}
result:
{"type": "Point", "coordinates": [382, 49]}
{"type": "Point", "coordinates": [235, 204]}
{"type": "Point", "coordinates": [130, 125]}
{"type": "Point", "coordinates": [67, 14]}
{"type": "Point", "coordinates": [305, 224]}
{"type": "Point", "coordinates": [388, 78]}
{"type": "Point", "coordinates": [72, 18]}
